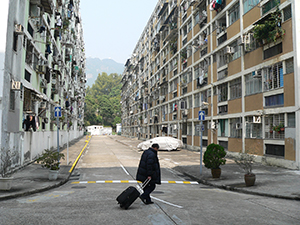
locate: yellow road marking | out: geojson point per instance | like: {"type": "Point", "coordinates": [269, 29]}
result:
{"type": "Point", "coordinates": [130, 181]}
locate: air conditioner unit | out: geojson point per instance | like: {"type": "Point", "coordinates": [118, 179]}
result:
{"type": "Point", "coordinates": [241, 40]}
{"type": "Point", "coordinates": [256, 119]}
{"type": "Point", "coordinates": [247, 38]}
{"type": "Point", "coordinates": [229, 50]}
{"type": "Point", "coordinates": [238, 126]}
{"type": "Point", "coordinates": [255, 74]}
{"type": "Point", "coordinates": [185, 112]}
{"type": "Point", "coordinates": [19, 29]}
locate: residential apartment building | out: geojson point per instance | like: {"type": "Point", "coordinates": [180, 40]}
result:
{"type": "Point", "coordinates": [44, 68]}
{"type": "Point", "coordinates": [237, 60]}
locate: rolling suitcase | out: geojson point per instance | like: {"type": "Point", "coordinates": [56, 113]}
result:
{"type": "Point", "coordinates": [127, 197]}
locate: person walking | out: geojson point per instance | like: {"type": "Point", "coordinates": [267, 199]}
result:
{"type": "Point", "coordinates": [149, 168]}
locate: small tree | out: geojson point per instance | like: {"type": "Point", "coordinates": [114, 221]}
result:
{"type": "Point", "coordinates": [6, 162]}
{"type": "Point", "coordinates": [245, 161]}
{"type": "Point", "coordinates": [214, 156]}
{"type": "Point", "coordinates": [50, 159]}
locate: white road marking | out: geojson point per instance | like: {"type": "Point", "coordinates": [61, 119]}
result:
{"type": "Point", "coordinates": [131, 181]}
{"type": "Point", "coordinates": [124, 169]}
{"type": "Point", "coordinates": [168, 203]}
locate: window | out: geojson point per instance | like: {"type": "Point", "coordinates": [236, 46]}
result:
{"type": "Point", "coordinates": [196, 17]}
{"type": "Point", "coordinates": [274, 100]}
{"type": "Point", "coordinates": [222, 74]}
{"type": "Point", "coordinates": [12, 100]}
{"type": "Point", "coordinates": [197, 100]}
{"type": "Point", "coordinates": [197, 71]}
{"type": "Point", "coordinates": [222, 93]}
{"type": "Point", "coordinates": [289, 66]}
{"type": "Point", "coordinates": [223, 128]}
{"type": "Point", "coordinates": [27, 76]}
{"type": "Point", "coordinates": [277, 150]}
{"type": "Point", "coordinates": [291, 120]}
{"type": "Point", "coordinates": [269, 5]}
{"type": "Point", "coordinates": [224, 144]}
{"type": "Point", "coordinates": [287, 13]}
{"type": "Point", "coordinates": [30, 29]}
{"type": "Point", "coordinates": [249, 4]}
{"type": "Point", "coordinates": [275, 50]}
{"type": "Point", "coordinates": [237, 51]}
{"type": "Point", "coordinates": [234, 13]}
{"type": "Point", "coordinates": [236, 88]}
{"type": "Point", "coordinates": [15, 42]}
{"type": "Point", "coordinates": [253, 84]}
{"type": "Point", "coordinates": [253, 130]}
{"type": "Point", "coordinates": [271, 122]}
{"type": "Point", "coordinates": [189, 26]}
{"type": "Point", "coordinates": [221, 58]}
{"type": "Point", "coordinates": [273, 77]}
{"type": "Point", "coordinates": [190, 100]}
{"type": "Point", "coordinates": [236, 128]}
{"type": "Point", "coordinates": [222, 109]}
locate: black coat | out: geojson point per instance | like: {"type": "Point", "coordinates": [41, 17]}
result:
{"type": "Point", "coordinates": [149, 166]}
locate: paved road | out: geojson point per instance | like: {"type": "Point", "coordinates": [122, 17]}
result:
{"type": "Point", "coordinates": [94, 203]}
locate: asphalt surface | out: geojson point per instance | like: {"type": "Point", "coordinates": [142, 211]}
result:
{"type": "Point", "coordinates": [270, 181]}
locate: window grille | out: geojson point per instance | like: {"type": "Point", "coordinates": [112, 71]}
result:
{"type": "Point", "coordinates": [287, 13]}
{"type": "Point", "coordinates": [235, 88]}
{"type": "Point", "coordinates": [271, 122]}
{"type": "Point", "coordinates": [236, 128]}
{"type": "Point", "coordinates": [269, 5]}
{"type": "Point", "coordinates": [253, 130]}
{"type": "Point", "coordinates": [273, 77]}
{"type": "Point", "coordinates": [222, 92]}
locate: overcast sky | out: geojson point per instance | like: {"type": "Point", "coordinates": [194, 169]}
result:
{"type": "Point", "coordinates": [3, 23]}
{"type": "Point", "coordinates": [111, 28]}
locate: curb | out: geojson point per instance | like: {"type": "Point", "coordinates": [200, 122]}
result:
{"type": "Point", "coordinates": [34, 191]}
{"type": "Point", "coordinates": [234, 189]}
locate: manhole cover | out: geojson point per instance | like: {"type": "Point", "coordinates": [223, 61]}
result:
{"type": "Point", "coordinates": [79, 187]}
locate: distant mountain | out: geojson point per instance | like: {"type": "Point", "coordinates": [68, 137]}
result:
{"type": "Point", "coordinates": [94, 66]}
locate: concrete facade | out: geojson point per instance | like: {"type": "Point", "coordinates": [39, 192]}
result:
{"type": "Point", "coordinates": [191, 57]}
{"type": "Point", "coordinates": [44, 67]}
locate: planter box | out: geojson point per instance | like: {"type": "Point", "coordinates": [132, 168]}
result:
{"type": "Point", "coordinates": [5, 183]}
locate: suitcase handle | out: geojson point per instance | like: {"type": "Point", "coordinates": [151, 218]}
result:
{"type": "Point", "coordinates": [146, 182]}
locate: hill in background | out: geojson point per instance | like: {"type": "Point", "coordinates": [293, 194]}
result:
{"type": "Point", "coordinates": [95, 66]}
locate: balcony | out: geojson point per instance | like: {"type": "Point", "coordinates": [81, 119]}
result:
{"type": "Point", "coordinates": [48, 6]}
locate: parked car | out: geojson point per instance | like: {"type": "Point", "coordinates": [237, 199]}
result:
{"type": "Point", "coordinates": [165, 143]}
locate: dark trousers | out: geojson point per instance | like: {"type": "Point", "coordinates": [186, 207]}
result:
{"type": "Point", "coordinates": [147, 191]}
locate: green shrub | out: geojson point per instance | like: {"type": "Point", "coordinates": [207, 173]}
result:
{"type": "Point", "coordinates": [214, 156]}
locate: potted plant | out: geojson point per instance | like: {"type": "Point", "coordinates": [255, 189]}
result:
{"type": "Point", "coordinates": [270, 30]}
{"type": "Point", "coordinates": [5, 164]}
{"type": "Point", "coordinates": [213, 158]}
{"type": "Point", "coordinates": [245, 161]}
{"type": "Point", "coordinates": [50, 160]}
{"type": "Point", "coordinates": [278, 128]}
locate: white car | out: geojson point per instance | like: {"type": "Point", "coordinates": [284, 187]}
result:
{"type": "Point", "coordinates": [165, 143]}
